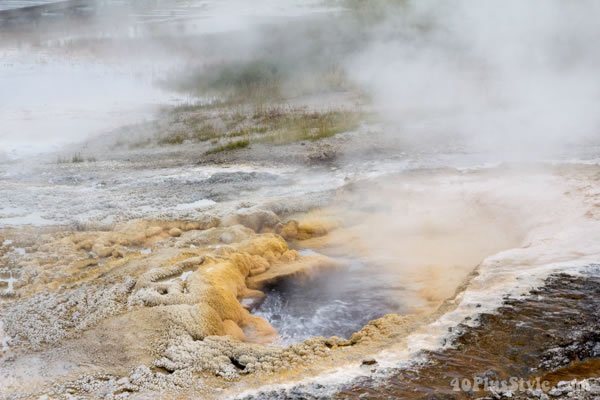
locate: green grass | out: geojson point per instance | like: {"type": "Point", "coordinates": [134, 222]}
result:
{"type": "Point", "coordinates": [249, 131]}
{"type": "Point", "coordinates": [240, 144]}
{"type": "Point", "coordinates": [201, 133]}
{"type": "Point", "coordinates": [278, 125]}
{"type": "Point", "coordinates": [228, 129]}
{"type": "Point", "coordinates": [204, 132]}
{"type": "Point", "coordinates": [76, 158]}
{"type": "Point", "coordinates": [299, 126]}
{"type": "Point", "coordinates": [175, 138]}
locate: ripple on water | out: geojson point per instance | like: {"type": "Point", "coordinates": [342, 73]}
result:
{"type": "Point", "coordinates": [332, 303]}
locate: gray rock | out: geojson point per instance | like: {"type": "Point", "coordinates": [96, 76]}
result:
{"type": "Point", "coordinates": [555, 392]}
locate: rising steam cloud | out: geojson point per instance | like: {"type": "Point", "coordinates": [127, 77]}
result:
{"type": "Point", "coordinates": [517, 77]}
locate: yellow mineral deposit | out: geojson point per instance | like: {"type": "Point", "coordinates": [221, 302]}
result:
{"type": "Point", "coordinates": [185, 305]}
{"type": "Point", "coordinates": [180, 307]}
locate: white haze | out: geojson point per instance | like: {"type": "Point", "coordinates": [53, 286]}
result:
{"type": "Point", "coordinates": [56, 89]}
{"type": "Point", "coordinates": [518, 77]}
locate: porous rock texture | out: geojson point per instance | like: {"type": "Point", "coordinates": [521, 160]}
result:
{"type": "Point", "coordinates": [155, 306]}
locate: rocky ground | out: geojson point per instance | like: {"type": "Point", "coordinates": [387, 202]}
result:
{"type": "Point", "coordinates": [145, 307]}
{"type": "Point", "coordinates": [134, 265]}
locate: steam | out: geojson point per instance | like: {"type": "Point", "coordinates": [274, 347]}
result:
{"type": "Point", "coordinates": [515, 78]}
{"type": "Point", "coordinates": [518, 78]}
{"type": "Point", "coordinates": [67, 79]}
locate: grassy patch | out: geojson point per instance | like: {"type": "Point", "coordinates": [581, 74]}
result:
{"type": "Point", "coordinates": [231, 127]}
{"type": "Point", "coordinates": [175, 138]}
{"type": "Point", "coordinates": [279, 125]}
{"type": "Point", "coordinates": [76, 158]}
{"type": "Point", "coordinates": [200, 133]}
{"type": "Point", "coordinates": [204, 132]}
{"type": "Point", "coordinates": [298, 126]}
{"type": "Point", "coordinates": [240, 144]}
{"type": "Point", "coordinates": [249, 131]}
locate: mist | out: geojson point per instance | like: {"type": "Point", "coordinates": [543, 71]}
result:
{"type": "Point", "coordinates": [515, 78]}
{"type": "Point", "coordinates": [68, 77]}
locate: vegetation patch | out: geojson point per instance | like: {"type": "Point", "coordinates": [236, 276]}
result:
{"type": "Point", "coordinates": [298, 126]}
{"type": "Point", "coordinates": [76, 158]}
{"type": "Point", "coordinates": [240, 144]}
{"type": "Point", "coordinates": [262, 124]}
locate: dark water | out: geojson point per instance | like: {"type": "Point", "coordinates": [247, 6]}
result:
{"type": "Point", "coordinates": [553, 334]}
{"type": "Point", "coordinates": [550, 336]}
{"type": "Point", "coordinates": [332, 303]}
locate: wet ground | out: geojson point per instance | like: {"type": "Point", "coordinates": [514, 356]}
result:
{"type": "Point", "coordinates": [542, 342]}
{"type": "Point", "coordinates": [386, 246]}
{"type": "Point", "coordinates": [552, 334]}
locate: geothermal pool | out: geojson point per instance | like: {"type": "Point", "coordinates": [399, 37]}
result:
{"type": "Point", "coordinates": [333, 303]}
{"type": "Point", "coordinates": [364, 277]}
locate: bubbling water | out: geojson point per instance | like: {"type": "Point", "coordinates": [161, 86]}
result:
{"type": "Point", "coordinates": [331, 303]}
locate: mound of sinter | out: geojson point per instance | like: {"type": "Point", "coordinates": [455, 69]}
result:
{"type": "Point", "coordinates": [152, 296]}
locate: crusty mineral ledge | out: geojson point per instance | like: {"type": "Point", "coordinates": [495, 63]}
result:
{"type": "Point", "coordinates": [152, 294]}
{"type": "Point", "coordinates": [217, 283]}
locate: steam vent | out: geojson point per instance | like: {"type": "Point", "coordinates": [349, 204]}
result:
{"type": "Point", "coordinates": [299, 199]}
